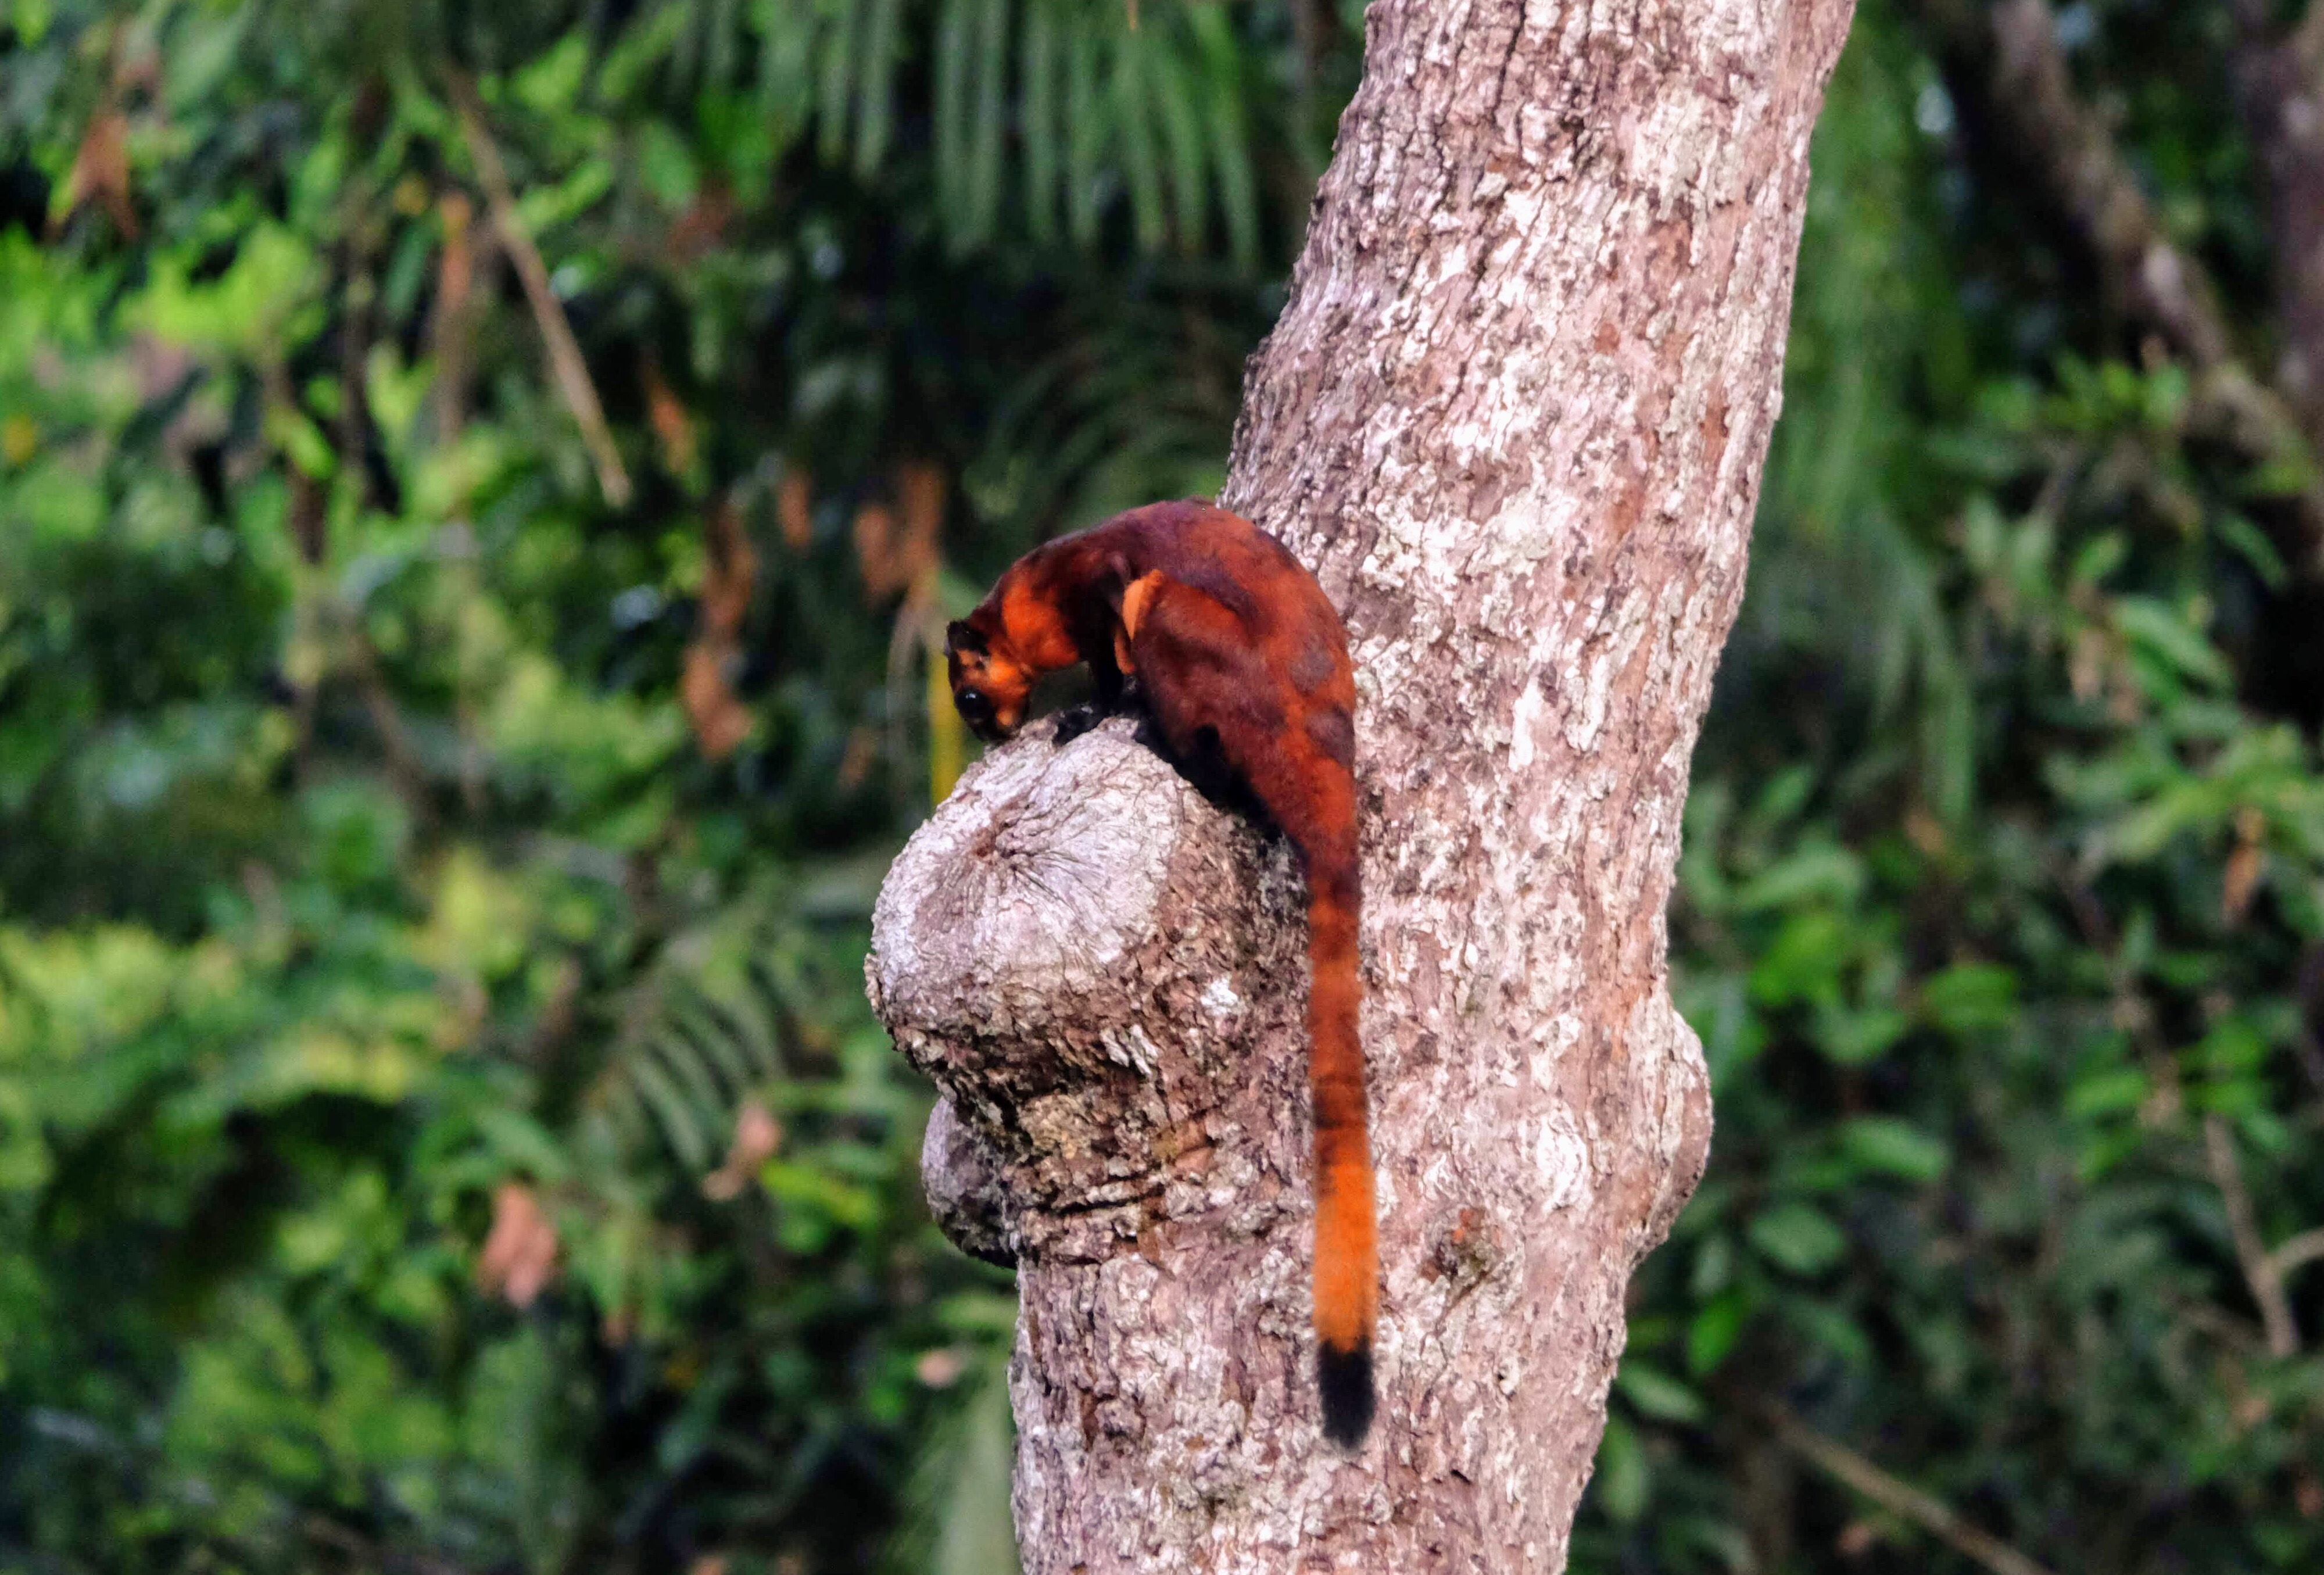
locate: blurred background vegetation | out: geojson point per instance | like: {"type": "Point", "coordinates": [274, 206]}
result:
{"type": "Point", "coordinates": [477, 483]}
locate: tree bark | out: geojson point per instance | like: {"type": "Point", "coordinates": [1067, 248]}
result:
{"type": "Point", "coordinates": [1514, 416]}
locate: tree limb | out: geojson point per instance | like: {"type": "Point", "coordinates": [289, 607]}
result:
{"type": "Point", "coordinates": [2262, 1270]}
{"type": "Point", "coordinates": [565, 363]}
{"type": "Point", "coordinates": [1900, 1497]}
{"type": "Point", "coordinates": [2296, 1252]}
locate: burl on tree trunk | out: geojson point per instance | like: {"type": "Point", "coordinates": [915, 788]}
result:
{"type": "Point", "coordinates": [1514, 417]}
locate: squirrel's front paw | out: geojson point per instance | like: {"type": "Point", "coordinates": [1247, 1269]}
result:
{"type": "Point", "coordinates": [1074, 722]}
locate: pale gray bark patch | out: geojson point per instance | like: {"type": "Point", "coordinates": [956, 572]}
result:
{"type": "Point", "coordinates": [1514, 416]}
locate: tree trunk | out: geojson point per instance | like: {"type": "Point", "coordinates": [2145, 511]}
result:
{"type": "Point", "coordinates": [1514, 416]}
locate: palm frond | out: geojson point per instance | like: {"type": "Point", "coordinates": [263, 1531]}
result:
{"type": "Point", "coordinates": [1159, 118]}
{"type": "Point", "coordinates": [712, 1023]}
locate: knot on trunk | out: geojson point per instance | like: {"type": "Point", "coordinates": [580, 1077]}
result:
{"type": "Point", "coordinates": [1100, 970]}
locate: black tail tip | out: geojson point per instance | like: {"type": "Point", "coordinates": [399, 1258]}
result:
{"type": "Point", "coordinates": [1345, 1378]}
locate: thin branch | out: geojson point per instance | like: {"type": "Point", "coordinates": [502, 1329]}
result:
{"type": "Point", "coordinates": [565, 359]}
{"type": "Point", "coordinates": [470, 251]}
{"type": "Point", "coordinates": [2166, 288]}
{"type": "Point", "coordinates": [2261, 1269]}
{"type": "Point", "coordinates": [2296, 1252]}
{"type": "Point", "coordinates": [403, 761]}
{"type": "Point", "coordinates": [332, 1535]}
{"type": "Point", "coordinates": [1899, 1498]}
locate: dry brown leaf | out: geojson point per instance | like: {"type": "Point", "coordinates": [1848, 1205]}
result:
{"type": "Point", "coordinates": [704, 224]}
{"type": "Point", "coordinates": [920, 491]}
{"type": "Point", "coordinates": [520, 1256]}
{"type": "Point", "coordinates": [875, 535]}
{"type": "Point", "coordinates": [732, 573]}
{"type": "Point", "coordinates": [939, 1368]}
{"type": "Point", "coordinates": [757, 1136]}
{"type": "Point", "coordinates": [896, 547]}
{"type": "Point", "coordinates": [1857, 1538]}
{"type": "Point", "coordinates": [2244, 863]}
{"type": "Point", "coordinates": [454, 325]}
{"type": "Point", "coordinates": [855, 764]}
{"type": "Point", "coordinates": [1926, 833]}
{"type": "Point", "coordinates": [100, 170]}
{"type": "Point", "coordinates": [672, 427]}
{"type": "Point", "coordinates": [794, 509]}
{"type": "Point", "coordinates": [720, 719]}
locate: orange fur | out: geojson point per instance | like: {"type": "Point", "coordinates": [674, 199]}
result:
{"type": "Point", "coordinates": [1243, 669]}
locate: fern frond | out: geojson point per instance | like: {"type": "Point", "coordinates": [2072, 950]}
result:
{"type": "Point", "coordinates": [787, 74]}
{"type": "Point", "coordinates": [1086, 131]}
{"type": "Point", "coordinates": [1129, 102]}
{"type": "Point", "coordinates": [1177, 99]}
{"type": "Point", "coordinates": [1229, 130]}
{"type": "Point", "coordinates": [981, 198]}
{"type": "Point", "coordinates": [1038, 132]}
{"type": "Point", "coordinates": [875, 82]}
{"type": "Point", "coordinates": [709, 1028]}
{"type": "Point", "coordinates": [837, 20]}
{"type": "Point", "coordinates": [955, 63]}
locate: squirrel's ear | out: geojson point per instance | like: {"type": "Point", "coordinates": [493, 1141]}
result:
{"type": "Point", "coordinates": [960, 635]}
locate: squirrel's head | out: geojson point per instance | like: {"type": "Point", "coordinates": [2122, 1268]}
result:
{"type": "Point", "coordinates": [990, 685]}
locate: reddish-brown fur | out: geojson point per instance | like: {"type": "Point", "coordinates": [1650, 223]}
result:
{"type": "Point", "coordinates": [1241, 665]}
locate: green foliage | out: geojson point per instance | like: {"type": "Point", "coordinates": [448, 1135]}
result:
{"type": "Point", "coordinates": [2001, 864]}
{"type": "Point", "coordinates": [441, 787]}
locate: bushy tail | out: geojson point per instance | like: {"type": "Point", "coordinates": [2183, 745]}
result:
{"type": "Point", "coordinates": [1347, 1263]}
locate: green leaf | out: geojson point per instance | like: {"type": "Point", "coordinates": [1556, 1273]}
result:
{"type": "Point", "coordinates": [1656, 1393]}
{"type": "Point", "coordinates": [1853, 1037]}
{"type": "Point", "coordinates": [2107, 1092]}
{"type": "Point", "coordinates": [1968, 998]}
{"type": "Point", "coordinates": [1712, 1332]}
{"type": "Point", "coordinates": [1805, 959]}
{"type": "Point", "coordinates": [2166, 634]}
{"type": "Point", "coordinates": [1892, 1147]}
{"type": "Point", "coordinates": [1797, 1237]}
{"type": "Point", "coordinates": [1622, 1479]}
{"type": "Point", "coordinates": [1815, 871]}
{"type": "Point", "coordinates": [2248, 542]}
